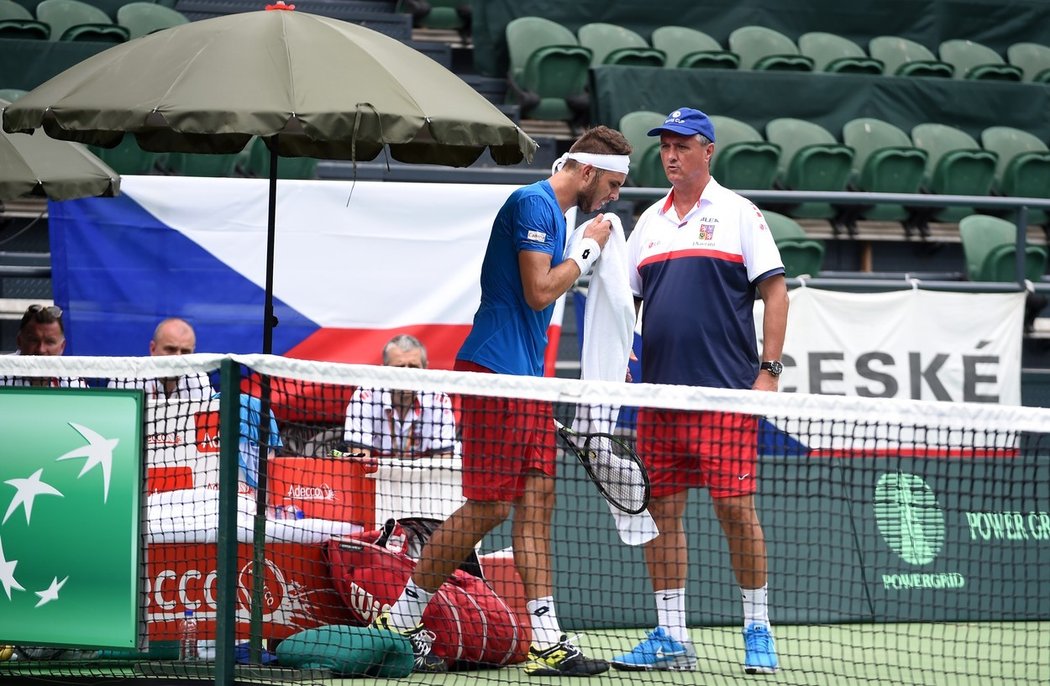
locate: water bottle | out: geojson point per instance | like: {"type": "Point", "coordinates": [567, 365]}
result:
{"type": "Point", "coordinates": [288, 512]}
{"type": "Point", "coordinates": [188, 637]}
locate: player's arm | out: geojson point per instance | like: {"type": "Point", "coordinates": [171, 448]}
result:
{"type": "Point", "coordinates": [542, 283]}
{"type": "Point", "coordinates": [774, 294]}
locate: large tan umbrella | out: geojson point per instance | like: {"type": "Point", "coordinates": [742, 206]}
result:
{"type": "Point", "coordinates": [312, 86]}
{"type": "Point", "coordinates": [60, 170]}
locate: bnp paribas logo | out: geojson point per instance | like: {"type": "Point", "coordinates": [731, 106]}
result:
{"type": "Point", "coordinates": [70, 480]}
{"type": "Point", "coordinates": [911, 522]}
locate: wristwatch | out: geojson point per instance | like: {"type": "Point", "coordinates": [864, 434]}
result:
{"type": "Point", "coordinates": [774, 367]}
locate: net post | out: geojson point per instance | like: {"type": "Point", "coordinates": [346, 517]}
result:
{"type": "Point", "coordinates": [226, 542]}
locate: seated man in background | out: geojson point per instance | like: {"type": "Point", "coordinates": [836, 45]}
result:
{"type": "Point", "coordinates": [41, 333]}
{"type": "Point", "coordinates": [397, 423]}
{"type": "Point", "coordinates": [173, 336]}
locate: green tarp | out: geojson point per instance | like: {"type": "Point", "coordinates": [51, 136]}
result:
{"type": "Point", "coordinates": [829, 100]}
{"type": "Point", "coordinates": [26, 64]}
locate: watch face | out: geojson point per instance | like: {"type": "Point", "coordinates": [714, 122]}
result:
{"type": "Point", "coordinates": [774, 367]}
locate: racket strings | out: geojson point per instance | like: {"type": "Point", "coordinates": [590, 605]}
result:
{"type": "Point", "coordinates": [616, 468]}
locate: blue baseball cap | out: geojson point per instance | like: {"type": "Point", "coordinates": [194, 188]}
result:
{"type": "Point", "coordinates": [687, 122]}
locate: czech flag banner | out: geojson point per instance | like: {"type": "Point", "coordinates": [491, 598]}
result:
{"type": "Point", "coordinates": [354, 264]}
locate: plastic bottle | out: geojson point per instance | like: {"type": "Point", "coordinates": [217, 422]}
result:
{"type": "Point", "coordinates": [188, 637]}
{"type": "Point", "coordinates": [287, 512]}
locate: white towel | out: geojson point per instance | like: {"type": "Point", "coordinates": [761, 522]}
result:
{"type": "Point", "coordinates": [608, 332]}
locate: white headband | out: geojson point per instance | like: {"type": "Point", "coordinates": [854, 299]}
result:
{"type": "Point", "coordinates": [613, 163]}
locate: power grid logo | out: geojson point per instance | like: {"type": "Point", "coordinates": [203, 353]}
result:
{"type": "Point", "coordinates": [70, 483]}
{"type": "Point", "coordinates": [911, 522]}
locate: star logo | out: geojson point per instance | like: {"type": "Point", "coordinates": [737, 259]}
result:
{"type": "Point", "coordinates": [7, 573]}
{"type": "Point", "coordinates": [51, 592]}
{"type": "Point", "coordinates": [98, 453]}
{"type": "Point", "coordinates": [26, 490]}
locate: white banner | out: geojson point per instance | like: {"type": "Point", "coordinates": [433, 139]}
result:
{"type": "Point", "coordinates": [915, 344]}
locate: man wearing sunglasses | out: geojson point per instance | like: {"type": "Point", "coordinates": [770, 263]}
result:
{"type": "Point", "coordinates": [41, 333]}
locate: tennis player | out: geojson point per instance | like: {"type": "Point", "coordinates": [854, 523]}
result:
{"type": "Point", "coordinates": [509, 445]}
{"type": "Point", "coordinates": [697, 257]}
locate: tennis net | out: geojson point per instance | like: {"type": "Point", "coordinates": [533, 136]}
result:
{"type": "Point", "coordinates": [908, 541]}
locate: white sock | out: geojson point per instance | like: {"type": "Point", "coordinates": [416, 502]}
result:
{"type": "Point", "coordinates": [670, 613]}
{"type": "Point", "coordinates": [545, 629]}
{"type": "Point", "coordinates": [407, 612]}
{"type": "Point", "coordinates": [756, 610]}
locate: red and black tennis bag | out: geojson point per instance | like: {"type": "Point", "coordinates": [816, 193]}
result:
{"type": "Point", "coordinates": [472, 624]}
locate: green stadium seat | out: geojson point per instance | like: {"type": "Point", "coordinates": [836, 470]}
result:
{"type": "Point", "coordinates": [611, 44]}
{"type": "Point", "coordinates": [129, 159]}
{"type": "Point", "coordinates": [990, 247]}
{"type": "Point", "coordinates": [810, 160]}
{"type": "Point", "coordinates": [884, 161]}
{"type": "Point", "coordinates": [258, 163]}
{"type": "Point", "coordinates": [903, 57]}
{"type": "Point", "coordinates": [743, 160]}
{"type": "Point", "coordinates": [956, 165]}
{"type": "Point", "coordinates": [688, 48]}
{"type": "Point", "coordinates": [143, 18]}
{"type": "Point", "coordinates": [647, 170]}
{"type": "Point", "coordinates": [975, 61]}
{"type": "Point", "coordinates": [18, 22]}
{"type": "Point", "coordinates": [765, 49]}
{"type": "Point", "coordinates": [11, 94]}
{"type": "Point", "coordinates": [1033, 59]}
{"type": "Point", "coordinates": [1023, 169]}
{"type": "Point", "coordinates": [78, 21]}
{"type": "Point", "coordinates": [802, 255]}
{"type": "Point", "coordinates": [837, 54]}
{"type": "Point", "coordinates": [452, 15]}
{"type": "Point", "coordinates": [548, 70]}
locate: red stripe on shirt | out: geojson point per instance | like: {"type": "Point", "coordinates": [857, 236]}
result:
{"type": "Point", "coordinates": [678, 254]}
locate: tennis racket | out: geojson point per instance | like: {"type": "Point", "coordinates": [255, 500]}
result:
{"type": "Point", "coordinates": [613, 466]}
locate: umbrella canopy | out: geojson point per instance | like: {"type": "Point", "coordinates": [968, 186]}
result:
{"type": "Point", "coordinates": [331, 89]}
{"type": "Point", "coordinates": [41, 166]}
{"type": "Point", "coordinates": [312, 86]}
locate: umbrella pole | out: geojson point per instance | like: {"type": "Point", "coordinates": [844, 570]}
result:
{"type": "Point", "coordinates": [259, 539]}
{"type": "Point", "coordinates": [269, 321]}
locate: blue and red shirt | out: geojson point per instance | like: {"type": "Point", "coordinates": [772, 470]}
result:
{"type": "Point", "coordinates": [508, 336]}
{"type": "Point", "coordinates": [697, 277]}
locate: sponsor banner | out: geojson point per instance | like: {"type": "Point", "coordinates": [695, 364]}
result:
{"type": "Point", "coordinates": [324, 488]}
{"type": "Point", "coordinates": [914, 344]}
{"type": "Point", "coordinates": [297, 589]}
{"type": "Point", "coordinates": [355, 263]}
{"type": "Point", "coordinates": [70, 538]}
{"type": "Point", "coordinates": [876, 540]}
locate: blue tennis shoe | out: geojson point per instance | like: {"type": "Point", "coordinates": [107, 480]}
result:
{"type": "Point", "coordinates": [760, 655]}
{"type": "Point", "coordinates": [658, 652]}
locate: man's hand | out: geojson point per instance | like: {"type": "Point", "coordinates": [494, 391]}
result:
{"type": "Point", "coordinates": [599, 229]}
{"type": "Point", "coordinates": [766, 382]}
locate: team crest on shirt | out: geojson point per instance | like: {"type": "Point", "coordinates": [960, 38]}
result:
{"type": "Point", "coordinates": [707, 232]}
{"type": "Point", "coordinates": [537, 236]}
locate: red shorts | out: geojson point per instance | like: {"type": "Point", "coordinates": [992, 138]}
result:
{"type": "Point", "coordinates": [503, 438]}
{"type": "Point", "coordinates": [686, 449]}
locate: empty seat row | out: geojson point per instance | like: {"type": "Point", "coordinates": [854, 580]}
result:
{"type": "Point", "coordinates": [79, 21]}
{"type": "Point", "coordinates": [549, 63]}
{"type": "Point", "coordinates": [872, 156]}
{"type": "Point", "coordinates": [989, 248]}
